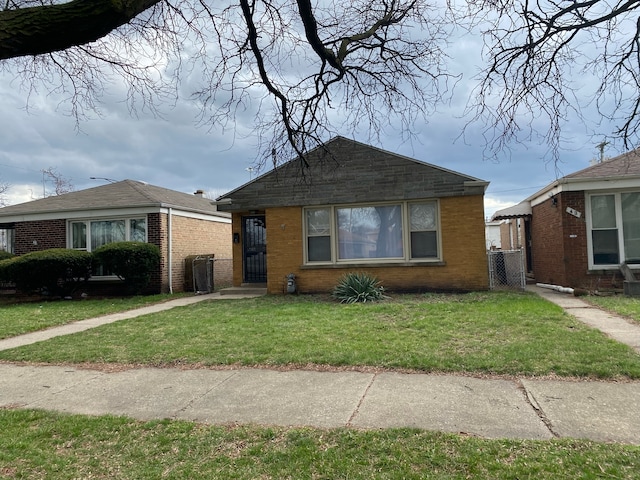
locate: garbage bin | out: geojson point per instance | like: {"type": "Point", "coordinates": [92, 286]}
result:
{"type": "Point", "coordinates": [198, 273]}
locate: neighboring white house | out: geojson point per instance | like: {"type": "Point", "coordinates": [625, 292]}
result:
{"type": "Point", "coordinates": [492, 235]}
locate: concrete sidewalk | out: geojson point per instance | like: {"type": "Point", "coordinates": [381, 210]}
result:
{"type": "Point", "coordinates": [487, 407]}
{"type": "Point", "coordinates": [490, 408]}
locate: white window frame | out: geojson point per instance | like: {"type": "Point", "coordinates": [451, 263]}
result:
{"type": "Point", "coordinates": [87, 222]}
{"type": "Point", "coordinates": [406, 235]}
{"type": "Point", "coordinates": [619, 227]}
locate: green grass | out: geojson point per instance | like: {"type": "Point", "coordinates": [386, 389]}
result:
{"type": "Point", "coordinates": [37, 445]}
{"type": "Point", "coordinates": [628, 307]}
{"type": "Point", "coordinates": [19, 318]}
{"type": "Point", "coordinates": [487, 333]}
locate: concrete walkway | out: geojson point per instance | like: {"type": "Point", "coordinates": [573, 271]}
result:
{"type": "Point", "coordinates": [487, 407]}
{"type": "Point", "coordinates": [612, 325]}
{"type": "Point", "coordinates": [83, 325]}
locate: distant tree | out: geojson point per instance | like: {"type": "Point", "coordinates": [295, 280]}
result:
{"type": "Point", "coordinates": [59, 184]}
{"type": "Point", "coordinates": [4, 188]}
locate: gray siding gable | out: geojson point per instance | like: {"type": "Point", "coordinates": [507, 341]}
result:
{"type": "Point", "coordinates": [344, 171]}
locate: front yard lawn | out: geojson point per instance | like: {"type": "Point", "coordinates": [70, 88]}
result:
{"type": "Point", "coordinates": [477, 333]}
{"type": "Point", "coordinates": [628, 307]}
{"type": "Point", "coordinates": [36, 445]}
{"type": "Point", "coordinates": [20, 318]}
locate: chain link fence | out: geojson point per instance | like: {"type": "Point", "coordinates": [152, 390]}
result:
{"type": "Point", "coordinates": [506, 269]}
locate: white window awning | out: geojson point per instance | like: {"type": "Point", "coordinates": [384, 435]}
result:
{"type": "Point", "coordinates": [522, 209]}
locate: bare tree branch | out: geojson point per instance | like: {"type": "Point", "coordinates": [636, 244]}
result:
{"type": "Point", "coordinates": [544, 55]}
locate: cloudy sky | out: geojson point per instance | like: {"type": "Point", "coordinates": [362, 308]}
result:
{"type": "Point", "coordinates": [175, 153]}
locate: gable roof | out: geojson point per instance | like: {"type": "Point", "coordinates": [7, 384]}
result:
{"type": "Point", "coordinates": [625, 165]}
{"type": "Point", "coordinates": [622, 171]}
{"type": "Point", "coordinates": [346, 171]}
{"type": "Point", "coordinates": [118, 195]}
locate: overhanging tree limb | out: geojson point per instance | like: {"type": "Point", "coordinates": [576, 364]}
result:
{"type": "Point", "coordinates": [51, 28]}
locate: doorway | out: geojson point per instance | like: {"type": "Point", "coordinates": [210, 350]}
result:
{"type": "Point", "coordinates": [254, 249]}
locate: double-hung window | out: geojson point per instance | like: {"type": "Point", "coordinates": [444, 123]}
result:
{"type": "Point", "coordinates": [614, 228]}
{"type": "Point", "coordinates": [402, 231]}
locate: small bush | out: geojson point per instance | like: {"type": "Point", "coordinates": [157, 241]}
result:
{"type": "Point", "coordinates": [358, 287]}
{"type": "Point", "coordinates": [132, 262]}
{"type": "Point", "coordinates": [4, 255]}
{"type": "Point", "coordinates": [57, 271]}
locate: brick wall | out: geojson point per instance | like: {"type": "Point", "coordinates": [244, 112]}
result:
{"type": "Point", "coordinates": [192, 236]}
{"type": "Point", "coordinates": [574, 239]}
{"type": "Point", "coordinates": [156, 233]}
{"type": "Point", "coordinates": [40, 235]}
{"type": "Point", "coordinates": [463, 249]}
{"type": "Point", "coordinates": [547, 246]}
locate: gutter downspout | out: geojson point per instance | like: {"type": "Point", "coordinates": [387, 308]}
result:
{"type": "Point", "coordinates": [169, 250]}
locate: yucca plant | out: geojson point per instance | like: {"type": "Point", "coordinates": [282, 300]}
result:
{"type": "Point", "coordinates": [358, 287]}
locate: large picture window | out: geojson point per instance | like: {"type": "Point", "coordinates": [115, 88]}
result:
{"type": "Point", "coordinates": [614, 223]}
{"type": "Point", "coordinates": [91, 234]}
{"type": "Point", "coordinates": [368, 233]}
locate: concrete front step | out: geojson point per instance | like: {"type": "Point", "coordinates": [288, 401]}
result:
{"type": "Point", "coordinates": [258, 289]}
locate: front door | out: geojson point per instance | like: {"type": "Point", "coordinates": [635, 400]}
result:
{"type": "Point", "coordinates": [254, 249]}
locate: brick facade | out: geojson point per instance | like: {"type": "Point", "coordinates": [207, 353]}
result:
{"type": "Point", "coordinates": [559, 248]}
{"type": "Point", "coordinates": [463, 253]}
{"type": "Point", "coordinates": [191, 236]}
{"type": "Point", "coordinates": [40, 235]}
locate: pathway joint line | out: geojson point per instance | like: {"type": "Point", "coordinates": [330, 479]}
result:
{"type": "Point", "coordinates": [361, 401]}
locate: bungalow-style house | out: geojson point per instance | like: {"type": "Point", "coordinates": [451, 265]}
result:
{"type": "Point", "coordinates": [579, 229]}
{"type": "Point", "coordinates": [356, 208]}
{"type": "Point", "coordinates": [180, 224]}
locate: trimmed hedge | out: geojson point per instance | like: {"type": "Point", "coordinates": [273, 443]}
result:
{"type": "Point", "coordinates": [4, 255]}
{"type": "Point", "coordinates": [133, 262]}
{"type": "Point", "coordinates": [57, 271]}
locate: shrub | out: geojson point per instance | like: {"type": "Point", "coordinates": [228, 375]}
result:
{"type": "Point", "coordinates": [4, 265]}
{"type": "Point", "coordinates": [132, 262]}
{"type": "Point", "coordinates": [358, 287]}
{"type": "Point", "coordinates": [4, 270]}
{"type": "Point", "coordinates": [57, 271]}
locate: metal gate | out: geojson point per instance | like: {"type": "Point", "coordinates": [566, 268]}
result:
{"type": "Point", "coordinates": [506, 269]}
{"type": "Point", "coordinates": [254, 246]}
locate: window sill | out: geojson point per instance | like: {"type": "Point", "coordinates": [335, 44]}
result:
{"type": "Point", "coordinates": [432, 263]}
{"type": "Point", "coordinates": [602, 270]}
{"type": "Point", "coordinates": [105, 278]}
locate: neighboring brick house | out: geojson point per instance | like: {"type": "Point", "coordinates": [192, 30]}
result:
{"type": "Point", "coordinates": [356, 208]}
{"type": "Point", "coordinates": [583, 225]}
{"type": "Point", "coordinates": [180, 224]}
